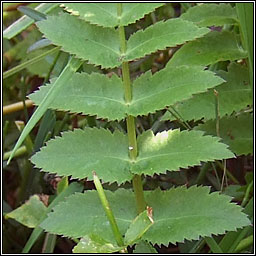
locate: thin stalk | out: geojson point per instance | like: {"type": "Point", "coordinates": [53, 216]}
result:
{"type": "Point", "coordinates": [52, 67]}
{"type": "Point", "coordinates": [179, 118]}
{"type": "Point", "coordinates": [130, 121]}
{"type": "Point", "coordinates": [217, 114]}
{"type": "Point", "coordinates": [247, 193]}
{"type": "Point", "coordinates": [229, 174]}
{"type": "Point", "coordinates": [224, 176]}
{"type": "Point", "coordinates": [202, 173]}
{"type": "Point", "coordinates": [217, 176]}
{"type": "Point", "coordinates": [20, 151]}
{"type": "Point", "coordinates": [23, 90]}
{"type": "Point", "coordinates": [23, 65]}
{"type": "Point", "coordinates": [217, 111]}
{"type": "Point", "coordinates": [108, 211]}
{"type": "Point", "coordinates": [17, 106]}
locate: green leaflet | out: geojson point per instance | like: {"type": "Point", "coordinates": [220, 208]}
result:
{"type": "Point", "coordinates": [72, 188]}
{"type": "Point", "coordinates": [138, 227]}
{"type": "Point", "coordinates": [100, 151]}
{"type": "Point", "coordinates": [96, 94]}
{"type": "Point", "coordinates": [30, 213]}
{"type": "Point", "coordinates": [105, 14]}
{"type": "Point", "coordinates": [237, 132]}
{"type": "Point", "coordinates": [144, 247]}
{"type": "Point", "coordinates": [182, 213]}
{"type": "Point", "coordinates": [161, 35]}
{"type": "Point", "coordinates": [95, 244]}
{"type": "Point", "coordinates": [168, 86]}
{"type": "Point", "coordinates": [107, 153]}
{"type": "Point", "coordinates": [211, 14]}
{"type": "Point", "coordinates": [179, 214]}
{"type": "Point", "coordinates": [235, 94]}
{"type": "Point", "coordinates": [212, 48]}
{"type": "Point", "coordinates": [171, 150]}
{"type": "Point", "coordinates": [98, 45]}
{"type": "Point", "coordinates": [88, 217]}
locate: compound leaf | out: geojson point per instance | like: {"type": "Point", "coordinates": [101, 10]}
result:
{"type": "Point", "coordinates": [30, 213]}
{"type": "Point", "coordinates": [161, 35]}
{"type": "Point", "coordinates": [89, 42]}
{"type": "Point", "coordinates": [179, 214]}
{"type": "Point", "coordinates": [233, 95]}
{"type": "Point", "coordinates": [95, 244]}
{"type": "Point", "coordinates": [80, 152]}
{"type": "Point", "coordinates": [99, 95]}
{"type": "Point", "coordinates": [174, 149]}
{"type": "Point", "coordinates": [94, 94]}
{"type": "Point", "coordinates": [211, 15]}
{"type": "Point", "coordinates": [210, 49]}
{"type": "Point", "coordinates": [237, 132]}
{"type": "Point", "coordinates": [105, 14]}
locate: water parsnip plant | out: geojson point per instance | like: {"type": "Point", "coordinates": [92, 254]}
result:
{"type": "Point", "coordinates": [105, 221]}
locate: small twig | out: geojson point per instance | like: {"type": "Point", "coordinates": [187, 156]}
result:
{"type": "Point", "coordinates": [17, 106]}
{"type": "Point", "coordinates": [179, 117]}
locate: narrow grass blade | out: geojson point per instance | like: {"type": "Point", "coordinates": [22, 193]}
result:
{"type": "Point", "coordinates": [245, 15]}
{"type": "Point", "coordinates": [213, 245]}
{"type": "Point", "coordinates": [33, 14]}
{"type": "Point", "coordinates": [71, 68]}
{"type": "Point", "coordinates": [28, 63]}
{"type": "Point", "coordinates": [22, 23]}
{"type": "Point", "coordinates": [49, 243]}
{"type": "Point", "coordinates": [245, 243]}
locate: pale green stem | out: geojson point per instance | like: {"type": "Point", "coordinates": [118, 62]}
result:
{"type": "Point", "coordinates": [108, 211]}
{"type": "Point", "coordinates": [130, 121]}
{"type": "Point", "coordinates": [20, 151]}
